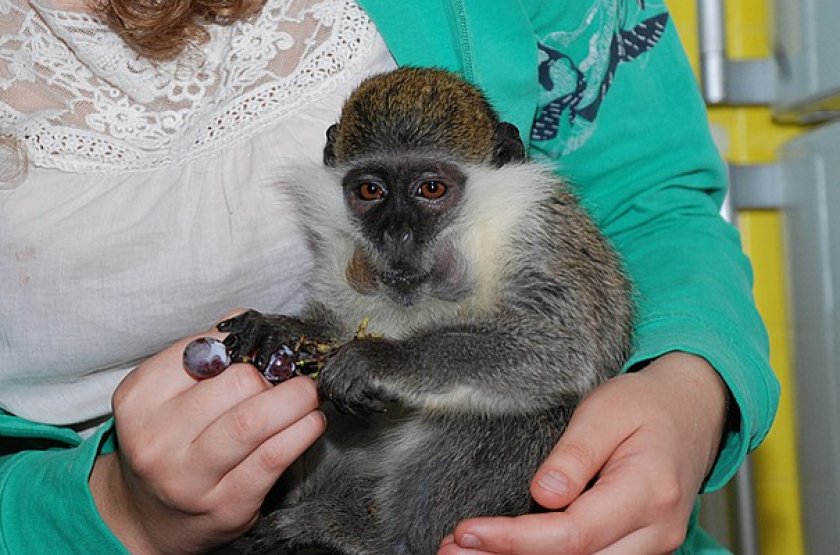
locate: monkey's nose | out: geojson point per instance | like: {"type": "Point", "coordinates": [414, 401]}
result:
{"type": "Point", "coordinates": [399, 240]}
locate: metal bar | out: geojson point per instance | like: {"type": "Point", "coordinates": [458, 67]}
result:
{"type": "Point", "coordinates": [750, 82]}
{"type": "Point", "coordinates": [747, 531]}
{"type": "Point", "coordinates": [756, 186]}
{"type": "Point", "coordinates": [725, 81]}
{"type": "Point", "coordinates": [712, 42]}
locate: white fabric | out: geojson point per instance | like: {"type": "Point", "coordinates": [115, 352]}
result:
{"type": "Point", "coordinates": [152, 205]}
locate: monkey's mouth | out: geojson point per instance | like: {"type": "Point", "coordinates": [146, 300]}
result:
{"type": "Point", "coordinates": [448, 279]}
{"type": "Point", "coordinates": [404, 283]}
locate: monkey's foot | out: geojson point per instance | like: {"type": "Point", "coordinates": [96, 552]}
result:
{"type": "Point", "coordinates": [314, 526]}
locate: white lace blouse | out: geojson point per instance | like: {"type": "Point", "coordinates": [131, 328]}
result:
{"type": "Point", "coordinates": [152, 205]}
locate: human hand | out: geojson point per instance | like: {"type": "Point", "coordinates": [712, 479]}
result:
{"type": "Point", "coordinates": [649, 438]}
{"type": "Point", "coordinates": [196, 458]}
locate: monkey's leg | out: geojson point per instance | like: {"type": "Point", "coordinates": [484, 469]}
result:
{"type": "Point", "coordinates": [462, 467]}
{"type": "Point", "coordinates": [327, 524]}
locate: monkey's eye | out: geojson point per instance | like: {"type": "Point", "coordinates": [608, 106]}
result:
{"type": "Point", "coordinates": [371, 191]}
{"type": "Point", "coordinates": [431, 189]}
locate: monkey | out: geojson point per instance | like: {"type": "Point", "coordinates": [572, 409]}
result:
{"type": "Point", "coordinates": [493, 306]}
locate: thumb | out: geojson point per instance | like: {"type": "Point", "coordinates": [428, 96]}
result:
{"type": "Point", "coordinates": [593, 434]}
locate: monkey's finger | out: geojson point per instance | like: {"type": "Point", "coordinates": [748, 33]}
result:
{"type": "Point", "coordinates": [243, 335]}
{"type": "Point", "coordinates": [235, 320]}
{"type": "Point", "coordinates": [359, 404]}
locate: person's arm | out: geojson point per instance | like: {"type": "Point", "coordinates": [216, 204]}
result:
{"type": "Point", "coordinates": [192, 464]}
{"type": "Point", "coordinates": [645, 166]}
{"type": "Point", "coordinates": [653, 178]}
{"type": "Point", "coordinates": [45, 503]}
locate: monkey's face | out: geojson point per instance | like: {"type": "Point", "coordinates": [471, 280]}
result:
{"type": "Point", "coordinates": [401, 141]}
{"type": "Point", "coordinates": [400, 206]}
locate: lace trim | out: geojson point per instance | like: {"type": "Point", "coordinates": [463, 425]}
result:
{"type": "Point", "coordinates": [109, 110]}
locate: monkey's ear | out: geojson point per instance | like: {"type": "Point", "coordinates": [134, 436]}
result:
{"type": "Point", "coordinates": [508, 147]}
{"type": "Point", "coordinates": [329, 148]}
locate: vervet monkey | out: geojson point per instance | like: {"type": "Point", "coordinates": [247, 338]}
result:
{"type": "Point", "coordinates": [499, 305]}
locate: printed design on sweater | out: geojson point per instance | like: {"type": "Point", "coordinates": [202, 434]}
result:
{"type": "Point", "coordinates": [577, 68]}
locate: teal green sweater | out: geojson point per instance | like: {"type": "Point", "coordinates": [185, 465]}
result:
{"type": "Point", "coordinates": [602, 91]}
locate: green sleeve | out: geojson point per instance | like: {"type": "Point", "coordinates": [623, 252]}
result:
{"type": "Point", "coordinates": [45, 503]}
{"type": "Point", "coordinates": [647, 169]}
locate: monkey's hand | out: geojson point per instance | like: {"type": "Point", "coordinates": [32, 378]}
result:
{"type": "Point", "coordinates": [257, 338]}
{"type": "Point", "coordinates": [350, 378]}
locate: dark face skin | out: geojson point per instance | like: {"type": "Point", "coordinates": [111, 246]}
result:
{"type": "Point", "coordinates": [401, 203]}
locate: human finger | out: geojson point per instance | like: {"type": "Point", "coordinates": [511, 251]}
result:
{"type": "Point", "coordinates": [635, 492]}
{"type": "Point", "coordinates": [645, 540]}
{"type": "Point", "coordinates": [258, 472]}
{"type": "Point", "coordinates": [149, 402]}
{"type": "Point", "coordinates": [241, 429]}
{"type": "Point", "coordinates": [211, 398]}
{"type": "Point", "coordinates": [161, 364]}
{"type": "Point", "coordinates": [582, 451]}
{"type": "Point", "coordinates": [532, 534]}
{"type": "Point", "coordinates": [161, 376]}
{"type": "Point", "coordinates": [578, 532]}
{"type": "Point", "coordinates": [449, 547]}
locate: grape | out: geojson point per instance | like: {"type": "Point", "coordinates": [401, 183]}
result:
{"type": "Point", "coordinates": [205, 357]}
{"type": "Point", "coordinates": [282, 365]}
{"type": "Point", "coordinates": [304, 358]}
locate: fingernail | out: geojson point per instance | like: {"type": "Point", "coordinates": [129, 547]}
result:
{"type": "Point", "coordinates": [554, 482]}
{"type": "Point", "coordinates": [468, 540]}
{"type": "Point", "coordinates": [319, 416]}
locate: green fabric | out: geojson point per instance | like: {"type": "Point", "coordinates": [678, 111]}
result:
{"type": "Point", "coordinates": [643, 164]}
{"type": "Point", "coordinates": [698, 541]}
{"type": "Point", "coordinates": [45, 503]}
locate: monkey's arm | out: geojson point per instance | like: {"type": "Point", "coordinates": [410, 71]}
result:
{"type": "Point", "coordinates": [504, 366]}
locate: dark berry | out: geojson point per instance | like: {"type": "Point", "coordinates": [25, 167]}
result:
{"type": "Point", "coordinates": [205, 357]}
{"type": "Point", "coordinates": [281, 365]}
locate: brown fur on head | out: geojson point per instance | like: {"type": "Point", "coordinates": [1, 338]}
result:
{"type": "Point", "coordinates": [416, 109]}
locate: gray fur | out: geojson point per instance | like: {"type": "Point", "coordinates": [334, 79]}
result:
{"type": "Point", "coordinates": [479, 373]}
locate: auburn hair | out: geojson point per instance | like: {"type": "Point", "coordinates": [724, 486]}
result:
{"type": "Point", "coordinates": [161, 29]}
